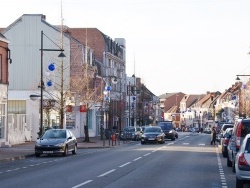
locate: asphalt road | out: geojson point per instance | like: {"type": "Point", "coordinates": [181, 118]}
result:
{"type": "Point", "coordinates": [190, 161]}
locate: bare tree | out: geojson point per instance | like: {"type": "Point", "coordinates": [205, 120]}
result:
{"type": "Point", "coordinates": [89, 89]}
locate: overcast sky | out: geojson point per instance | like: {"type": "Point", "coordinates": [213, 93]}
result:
{"type": "Point", "coordinates": [189, 46]}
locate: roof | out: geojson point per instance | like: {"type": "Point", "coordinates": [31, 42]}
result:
{"type": "Point", "coordinates": [3, 38]}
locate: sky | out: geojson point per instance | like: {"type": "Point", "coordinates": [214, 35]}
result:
{"type": "Point", "coordinates": [189, 46]}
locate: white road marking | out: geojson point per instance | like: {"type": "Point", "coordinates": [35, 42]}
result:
{"type": "Point", "coordinates": [137, 158]}
{"type": "Point", "coordinates": [79, 185]}
{"type": "Point", "coordinates": [147, 154]}
{"type": "Point", "coordinates": [125, 164]}
{"type": "Point", "coordinates": [222, 175]}
{"type": "Point", "coordinates": [104, 174]}
{"type": "Point", "coordinates": [185, 143]}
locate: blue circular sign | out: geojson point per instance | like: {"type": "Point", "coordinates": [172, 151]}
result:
{"type": "Point", "coordinates": [51, 67]}
{"type": "Point", "coordinates": [49, 83]}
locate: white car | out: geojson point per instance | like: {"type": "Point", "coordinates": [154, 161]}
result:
{"type": "Point", "coordinates": [242, 163]}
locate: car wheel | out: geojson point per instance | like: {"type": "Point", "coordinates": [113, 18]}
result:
{"type": "Point", "coordinates": [224, 152]}
{"type": "Point", "coordinates": [229, 163]}
{"type": "Point", "coordinates": [239, 183]}
{"type": "Point", "coordinates": [173, 138]}
{"type": "Point", "coordinates": [37, 154]}
{"type": "Point", "coordinates": [233, 166]}
{"type": "Point", "coordinates": [142, 143]}
{"type": "Point", "coordinates": [74, 151]}
{"type": "Point", "coordinates": [162, 141]}
{"type": "Point", "coordinates": [65, 153]}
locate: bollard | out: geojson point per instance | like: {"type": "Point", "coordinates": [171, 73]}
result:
{"type": "Point", "coordinates": [113, 138]}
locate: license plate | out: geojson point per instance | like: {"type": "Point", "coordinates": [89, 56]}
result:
{"type": "Point", "coordinates": [151, 139]}
{"type": "Point", "coordinates": [47, 151]}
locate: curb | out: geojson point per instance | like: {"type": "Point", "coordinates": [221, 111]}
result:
{"type": "Point", "coordinates": [16, 158]}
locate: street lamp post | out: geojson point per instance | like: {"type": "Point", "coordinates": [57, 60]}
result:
{"type": "Point", "coordinates": [42, 82]}
{"type": "Point", "coordinates": [200, 120]}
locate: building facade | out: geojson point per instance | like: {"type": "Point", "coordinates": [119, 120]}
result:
{"type": "Point", "coordinates": [4, 81]}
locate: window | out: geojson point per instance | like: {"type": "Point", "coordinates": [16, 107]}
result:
{"type": "Point", "coordinates": [17, 107]}
{"type": "Point", "coordinates": [70, 120]}
{"type": "Point", "coordinates": [90, 122]}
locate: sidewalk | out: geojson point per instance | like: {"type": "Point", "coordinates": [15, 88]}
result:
{"type": "Point", "coordinates": [25, 150]}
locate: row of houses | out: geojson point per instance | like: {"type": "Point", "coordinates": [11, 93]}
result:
{"type": "Point", "coordinates": [86, 87]}
{"type": "Point", "coordinates": [206, 110]}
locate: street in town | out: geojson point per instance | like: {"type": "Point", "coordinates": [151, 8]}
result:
{"type": "Point", "coordinates": [189, 161]}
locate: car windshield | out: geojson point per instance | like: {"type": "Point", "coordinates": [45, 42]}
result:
{"type": "Point", "coordinates": [152, 129]}
{"type": "Point", "coordinates": [245, 128]}
{"type": "Point", "coordinates": [224, 127]}
{"type": "Point", "coordinates": [166, 126]}
{"type": "Point", "coordinates": [54, 134]}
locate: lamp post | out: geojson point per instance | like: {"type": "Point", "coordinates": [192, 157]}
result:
{"type": "Point", "coordinates": [107, 98]}
{"type": "Point", "coordinates": [42, 82]}
{"type": "Point", "coordinates": [200, 120]}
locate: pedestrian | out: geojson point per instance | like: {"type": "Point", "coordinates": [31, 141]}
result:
{"type": "Point", "coordinates": [213, 136]}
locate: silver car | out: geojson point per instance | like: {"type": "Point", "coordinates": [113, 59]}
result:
{"type": "Point", "coordinates": [242, 161]}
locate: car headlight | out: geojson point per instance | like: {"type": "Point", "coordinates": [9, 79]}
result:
{"type": "Point", "coordinates": [171, 131]}
{"type": "Point", "coordinates": [38, 144]}
{"type": "Point", "coordinates": [158, 136]}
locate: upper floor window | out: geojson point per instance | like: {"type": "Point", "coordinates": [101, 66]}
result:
{"type": "Point", "coordinates": [17, 107]}
{"type": "Point", "coordinates": [109, 63]}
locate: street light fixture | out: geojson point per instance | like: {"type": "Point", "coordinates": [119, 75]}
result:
{"type": "Point", "coordinates": [237, 76]}
{"type": "Point", "coordinates": [42, 82]}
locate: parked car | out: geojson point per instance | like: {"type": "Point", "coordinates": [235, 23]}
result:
{"type": "Point", "coordinates": [240, 130]}
{"type": "Point", "coordinates": [56, 141]}
{"type": "Point", "coordinates": [207, 130]}
{"type": "Point", "coordinates": [178, 129]}
{"type": "Point", "coordinates": [109, 132]}
{"type": "Point", "coordinates": [168, 129]}
{"type": "Point", "coordinates": [223, 129]}
{"type": "Point", "coordinates": [131, 133]}
{"type": "Point", "coordinates": [153, 134]}
{"type": "Point", "coordinates": [242, 161]}
{"type": "Point", "coordinates": [225, 140]}
{"type": "Point", "coordinates": [196, 129]}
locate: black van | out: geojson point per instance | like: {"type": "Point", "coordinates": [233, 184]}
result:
{"type": "Point", "coordinates": [168, 129]}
